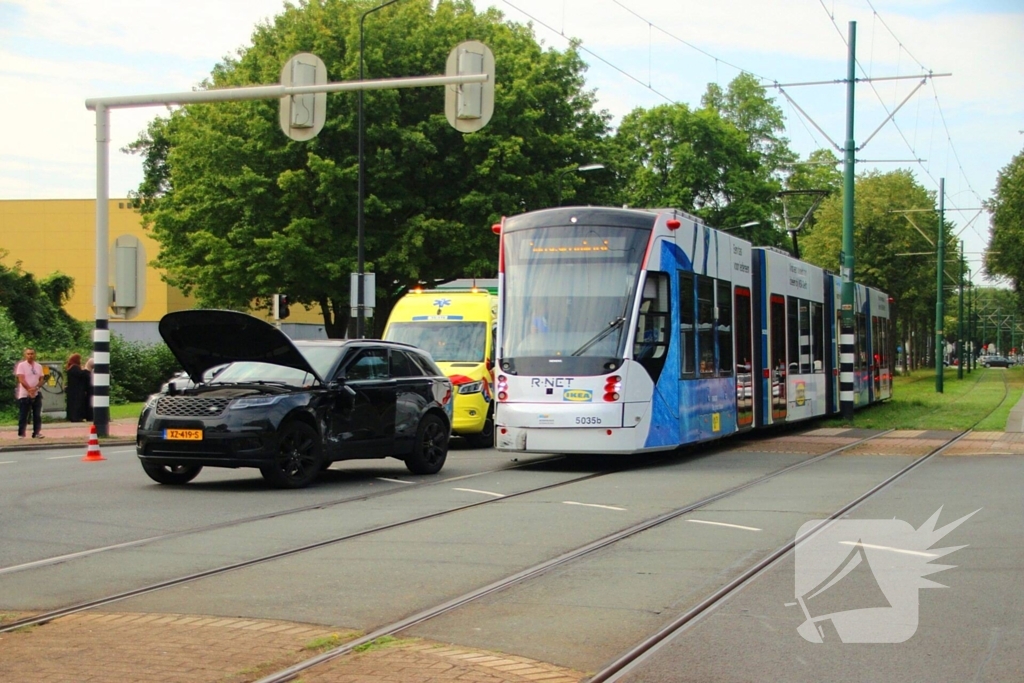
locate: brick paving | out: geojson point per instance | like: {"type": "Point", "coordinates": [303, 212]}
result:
{"type": "Point", "coordinates": [98, 647]}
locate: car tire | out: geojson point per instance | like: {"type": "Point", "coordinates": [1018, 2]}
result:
{"type": "Point", "coordinates": [172, 475]}
{"type": "Point", "coordinates": [299, 457]}
{"type": "Point", "coordinates": [485, 439]}
{"type": "Point", "coordinates": [431, 447]}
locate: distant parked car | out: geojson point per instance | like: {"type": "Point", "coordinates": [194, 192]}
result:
{"type": "Point", "coordinates": [996, 362]}
{"type": "Point", "coordinates": [290, 408]}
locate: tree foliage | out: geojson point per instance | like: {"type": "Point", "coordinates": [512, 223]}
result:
{"type": "Point", "coordinates": [724, 162]}
{"type": "Point", "coordinates": [887, 207]}
{"type": "Point", "coordinates": [242, 212]}
{"type": "Point", "coordinates": [35, 307]}
{"type": "Point", "coordinates": [1005, 258]}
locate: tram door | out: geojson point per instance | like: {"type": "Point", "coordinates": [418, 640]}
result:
{"type": "Point", "coordinates": [777, 356]}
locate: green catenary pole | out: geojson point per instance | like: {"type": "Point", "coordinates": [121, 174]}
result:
{"type": "Point", "coordinates": [940, 342]}
{"type": "Point", "coordinates": [960, 321]}
{"type": "Point", "coordinates": [846, 336]}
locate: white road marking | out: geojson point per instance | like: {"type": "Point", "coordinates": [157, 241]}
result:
{"type": "Point", "coordinates": [731, 526]}
{"type": "Point", "coordinates": [486, 493]}
{"type": "Point", "coordinates": [8, 462]}
{"type": "Point", "coordinates": [593, 505]}
{"type": "Point", "coordinates": [62, 457]}
{"type": "Point", "coordinates": [885, 547]}
{"type": "Point", "coordinates": [397, 481]}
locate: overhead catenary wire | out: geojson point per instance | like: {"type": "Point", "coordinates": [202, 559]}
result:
{"type": "Point", "coordinates": [896, 125]}
{"type": "Point", "coordinates": [876, 17]}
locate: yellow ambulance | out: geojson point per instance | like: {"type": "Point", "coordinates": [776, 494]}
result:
{"type": "Point", "coordinates": [456, 324]}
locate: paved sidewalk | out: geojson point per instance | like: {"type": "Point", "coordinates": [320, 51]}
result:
{"type": "Point", "coordinates": [63, 434]}
{"type": "Point", "coordinates": [99, 647]}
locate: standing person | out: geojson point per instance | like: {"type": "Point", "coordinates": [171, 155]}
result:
{"type": "Point", "coordinates": [30, 378]}
{"type": "Point", "coordinates": [76, 388]}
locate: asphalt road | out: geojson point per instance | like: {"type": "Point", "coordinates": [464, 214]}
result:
{"type": "Point", "coordinates": [579, 616]}
{"type": "Point", "coordinates": [970, 630]}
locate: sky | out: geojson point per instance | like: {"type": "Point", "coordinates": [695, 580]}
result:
{"type": "Point", "coordinates": [963, 128]}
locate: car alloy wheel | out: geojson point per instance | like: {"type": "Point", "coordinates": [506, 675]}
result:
{"type": "Point", "coordinates": [431, 448]}
{"type": "Point", "coordinates": [298, 459]}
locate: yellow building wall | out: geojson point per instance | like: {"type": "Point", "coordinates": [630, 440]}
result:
{"type": "Point", "coordinates": [49, 235]}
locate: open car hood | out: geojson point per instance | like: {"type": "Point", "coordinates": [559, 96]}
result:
{"type": "Point", "coordinates": [201, 339]}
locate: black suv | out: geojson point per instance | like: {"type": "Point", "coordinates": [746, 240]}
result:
{"type": "Point", "coordinates": [290, 408]}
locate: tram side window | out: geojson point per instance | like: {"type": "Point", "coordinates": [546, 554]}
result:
{"type": "Point", "coordinates": [861, 353]}
{"type": "Point", "coordinates": [876, 346]}
{"type": "Point", "coordinates": [792, 333]}
{"type": "Point", "coordinates": [817, 337]}
{"type": "Point", "coordinates": [706, 325]}
{"type": "Point", "coordinates": [805, 336]}
{"type": "Point", "coordinates": [743, 330]}
{"type": "Point", "coordinates": [687, 331]}
{"type": "Point", "coordinates": [724, 327]}
{"type": "Point", "coordinates": [650, 345]}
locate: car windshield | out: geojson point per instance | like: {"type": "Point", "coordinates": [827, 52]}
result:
{"type": "Point", "coordinates": [321, 358]}
{"type": "Point", "coordinates": [445, 341]}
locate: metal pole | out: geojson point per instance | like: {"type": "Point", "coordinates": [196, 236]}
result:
{"type": "Point", "coordinates": [971, 345]}
{"type": "Point", "coordinates": [101, 293]}
{"type": "Point", "coordinates": [960, 321]}
{"type": "Point", "coordinates": [360, 220]}
{"type": "Point", "coordinates": [940, 341]}
{"type": "Point", "coordinates": [846, 336]}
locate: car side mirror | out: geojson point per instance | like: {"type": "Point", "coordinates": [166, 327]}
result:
{"type": "Point", "coordinates": [342, 386]}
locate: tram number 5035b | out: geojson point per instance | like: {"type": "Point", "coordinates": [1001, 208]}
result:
{"type": "Point", "coordinates": [588, 420]}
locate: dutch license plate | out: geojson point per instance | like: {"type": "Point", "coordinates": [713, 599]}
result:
{"type": "Point", "coordinates": [183, 434]}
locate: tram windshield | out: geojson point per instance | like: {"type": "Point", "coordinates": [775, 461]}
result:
{"type": "Point", "coordinates": [568, 290]}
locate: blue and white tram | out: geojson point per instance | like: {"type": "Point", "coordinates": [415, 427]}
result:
{"type": "Point", "coordinates": [630, 330]}
{"type": "Point", "coordinates": [790, 313]}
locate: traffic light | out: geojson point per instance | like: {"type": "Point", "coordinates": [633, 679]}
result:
{"type": "Point", "coordinates": [280, 306]}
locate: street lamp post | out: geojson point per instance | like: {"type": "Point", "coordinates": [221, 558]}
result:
{"type": "Point", "coordinates": [580, 169]}
{"type": "Point", "coordinates": [360, 223]}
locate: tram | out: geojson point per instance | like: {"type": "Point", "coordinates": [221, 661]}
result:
{"type": "Point", "coordinates": [634, 330]}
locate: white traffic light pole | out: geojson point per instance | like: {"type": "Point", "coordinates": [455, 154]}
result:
{"type": "Point", "coordinates": [102, 107]}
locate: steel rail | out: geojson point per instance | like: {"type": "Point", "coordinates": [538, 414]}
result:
{"type": "Point", "coordinates": [630, 659]}
{"type": "Point", "coordinates": [44, 617]}
{"type": "Point", "coordinates": [536, 570]}
{"type": "Point", "coordinates": [60, 559]}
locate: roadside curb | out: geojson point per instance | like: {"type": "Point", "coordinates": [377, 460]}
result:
{"type": "Point", "coordinates": [55, 444]}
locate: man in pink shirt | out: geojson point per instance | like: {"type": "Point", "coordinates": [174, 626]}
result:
{"type": "Point", "coordinates": [30, 379]}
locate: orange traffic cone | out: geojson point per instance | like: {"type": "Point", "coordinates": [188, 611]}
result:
{"type": "Point", "coordinates": [94, 447]}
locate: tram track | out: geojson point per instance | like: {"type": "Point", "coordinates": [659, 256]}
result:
{"type": "Point", "coordinates": [322, 505]}
{"type": "Point", "coordinates": [627, 661]}
{"type": "Point", "coordinates": [544, 567]}
{"type": "Point", "coordinates": [44, 617]}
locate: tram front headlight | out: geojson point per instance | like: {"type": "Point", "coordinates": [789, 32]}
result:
{"type": "Point", "coordinates": [502, 386]}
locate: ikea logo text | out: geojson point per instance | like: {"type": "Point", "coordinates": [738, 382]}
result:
{"type": "Point", "coordinates": [578, 395]}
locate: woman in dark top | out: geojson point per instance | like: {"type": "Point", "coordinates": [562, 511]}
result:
{"type": "Point", "coordinates": [77, 383]}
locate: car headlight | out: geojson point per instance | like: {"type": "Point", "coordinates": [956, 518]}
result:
{"type": "Point", "coordinates": [151, 401]}
{"type": "Point", "coordinates": [471, 387]}
{"type": "Point", "coordinates": [254, 401]}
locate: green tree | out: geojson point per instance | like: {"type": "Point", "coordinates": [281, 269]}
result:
{"type": "Point", "coordinates": [887, 207]}
{"type": "Point", "coordinates": [241, 211]}
{"type": "Point", "coordinates": [35, 307]}
{"type": "Point", "coordinates": [12, 343]}
{"type": "Point", "coordinates": [696, 161]}
{"type": "Point", "coordinates": [1005, 258]}
{"type": "Point", "coordinates": [818, 174]}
